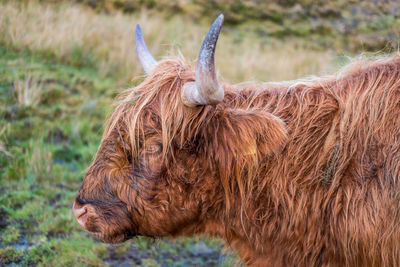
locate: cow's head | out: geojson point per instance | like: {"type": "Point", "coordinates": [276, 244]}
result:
{"type": "Point", "coordinates": [173, 151]}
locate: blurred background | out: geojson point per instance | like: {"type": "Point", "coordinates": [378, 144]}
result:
{"type": "Point", "coordinates": [62, 63]}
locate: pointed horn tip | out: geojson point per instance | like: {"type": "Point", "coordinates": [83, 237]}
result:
{"type": "Point", "coordinates": [217, 24]}
{"type": "Point", "coordinates": [219, 20]}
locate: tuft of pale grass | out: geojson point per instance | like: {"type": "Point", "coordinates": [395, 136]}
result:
{"type": "Point", "coordinates": [3, 149]}
{"type": "Point", "coordinates": [28, 92]}
{"type": "Point", "coordinates": [40, 163]}
{"type": "Point", "coordinates": [240, 56]}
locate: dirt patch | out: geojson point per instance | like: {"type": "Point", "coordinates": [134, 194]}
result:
{"type": "Point", "coordinates": [198, 254]}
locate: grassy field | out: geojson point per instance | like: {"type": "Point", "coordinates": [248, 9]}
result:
{"type": "Point", "coordinates": [60, 68]}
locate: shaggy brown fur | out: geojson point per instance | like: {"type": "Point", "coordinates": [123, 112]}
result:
{"type": "Point", "coordinates": [303, 173]}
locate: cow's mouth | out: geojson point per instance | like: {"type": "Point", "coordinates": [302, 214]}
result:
{"type": "Point", "coordinates": [88, 218]}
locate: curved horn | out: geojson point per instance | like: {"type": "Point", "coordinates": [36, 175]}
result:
{"type": "Point", "coordinates": [146, 59]}
{"type": "Point", "coordinates": [206, 89]}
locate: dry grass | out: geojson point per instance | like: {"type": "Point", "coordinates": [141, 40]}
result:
{"type": "Point", "coordinates": [64, 28]}
{"type": "Point", "coordinates": [28, 91]}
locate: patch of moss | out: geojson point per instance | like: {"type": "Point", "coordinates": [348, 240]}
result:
{"type": "Point", "coordinates": [75, 251]}
{"type": "Point", "coordinates": [10, 234]}
{"type": "Point", "coordinates": [10, 255]}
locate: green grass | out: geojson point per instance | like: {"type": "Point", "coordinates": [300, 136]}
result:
{"type": "Point", "coordinates": [45, 145]}
{"type": "Point", "coordinates": [45, 151]}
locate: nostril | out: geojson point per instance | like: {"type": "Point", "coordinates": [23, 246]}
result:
{"type": "Point", "coordinates": [82, 217]}
{"type": "Point", "coordinates": [80, 214]}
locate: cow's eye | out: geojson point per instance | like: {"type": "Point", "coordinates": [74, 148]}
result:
{"type": "Point", "coordinates": [154, 148]}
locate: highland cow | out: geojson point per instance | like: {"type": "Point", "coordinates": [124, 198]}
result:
{"type": "Point", "coordinates": [303, 173]}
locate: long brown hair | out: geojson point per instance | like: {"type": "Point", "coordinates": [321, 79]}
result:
{"type": "Point", "coordinates": [289, 155]}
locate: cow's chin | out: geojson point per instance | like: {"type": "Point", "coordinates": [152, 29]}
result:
{"type": "Point", "coordinates": [110, 232]}
{"type": "Point", "coordinates": [112, 239]}
{"type": "Point", "coordinates": [107, 234]}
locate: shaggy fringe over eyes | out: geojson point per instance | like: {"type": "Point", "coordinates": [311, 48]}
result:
{"type": "Point", "coordinates": [155, 98]}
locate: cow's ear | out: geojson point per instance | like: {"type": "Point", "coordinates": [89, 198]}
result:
{"type": "Point", "coordinates": [245, 132]}
{"type": "Point", "coordinates": [237, 140]}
